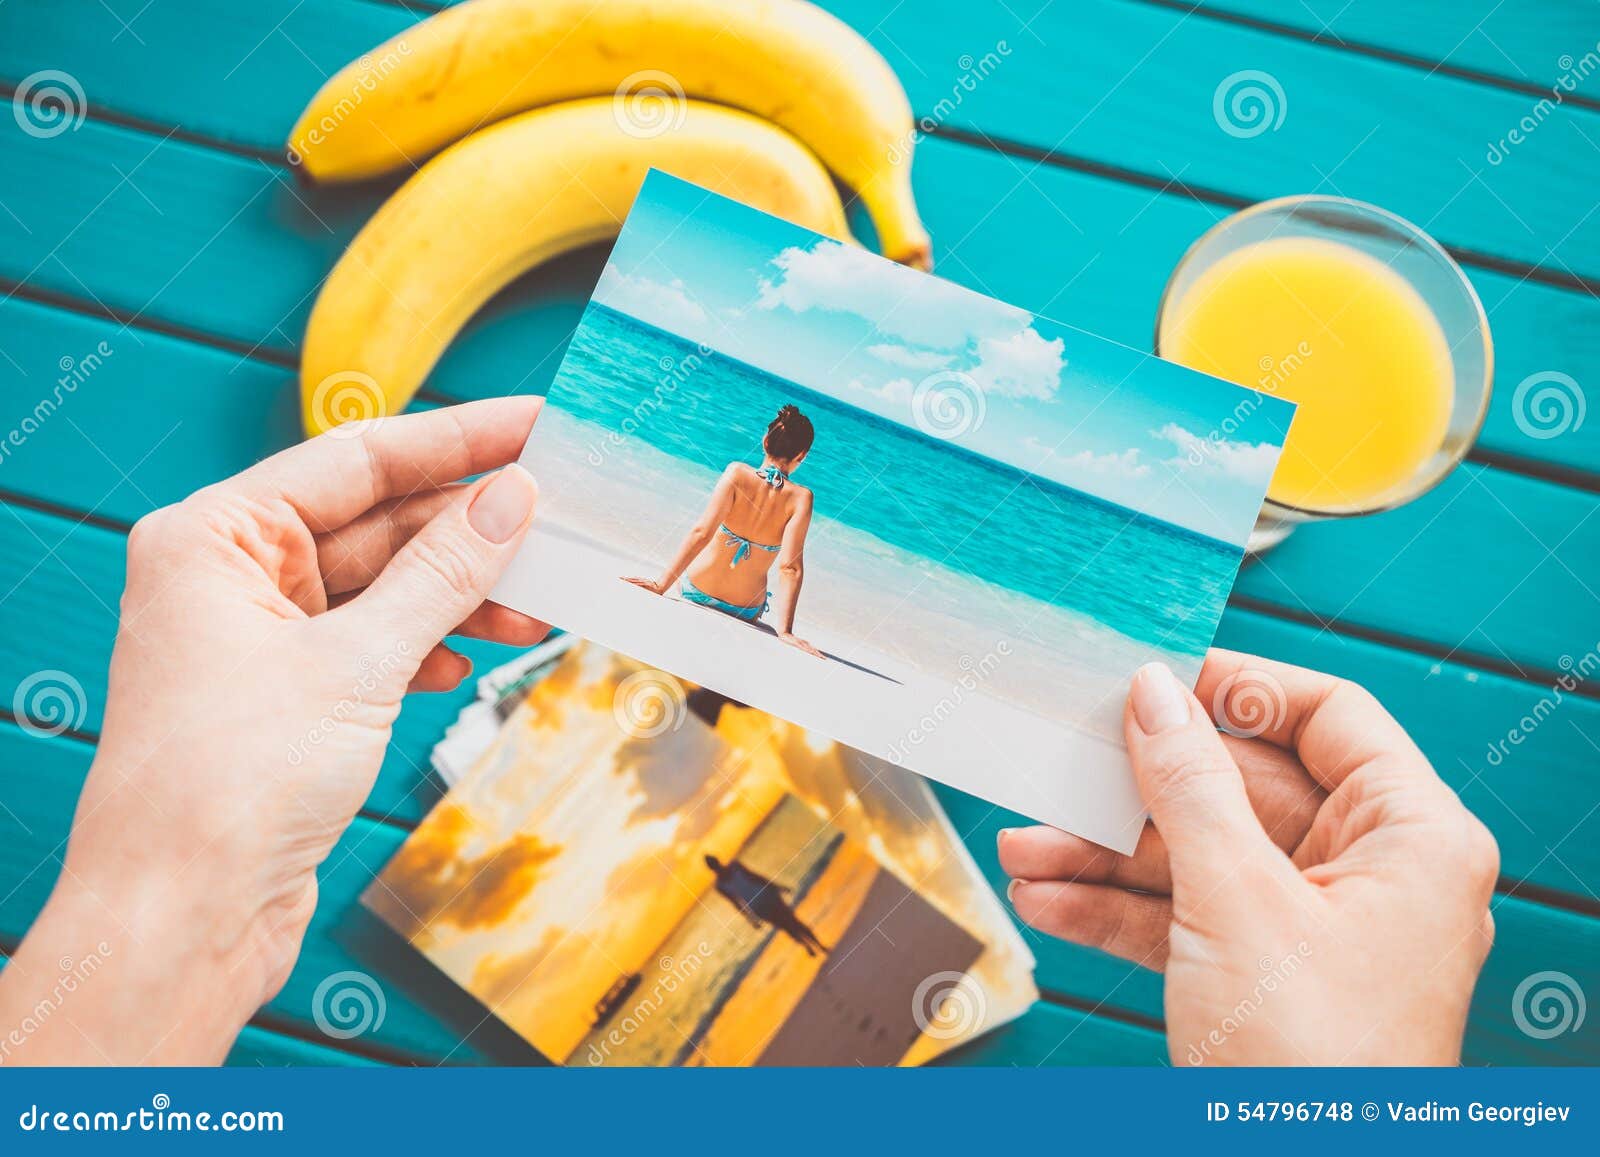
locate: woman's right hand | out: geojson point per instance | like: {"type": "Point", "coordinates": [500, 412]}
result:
{"type": "Point", "coordinates": [798, 642]}
{"type": "Point", "coordinates": [654, 586]}
{"type": "Point", "coordinates": [1315, 893]}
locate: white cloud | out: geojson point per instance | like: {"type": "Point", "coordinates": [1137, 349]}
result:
{"type": "Point", "coordinates": [912, 359]}
{"type": "Point", "coordinates": [1251, 462]}
{"type": "Point", "coordinates": [1124, 465]}
{"type": "Point", "coordinates": [667, 306]}
{"type": "Point", "coordinates": [897, 392]}
{"type": "Point", "coordinates": [899, 302]}
{"type": "Point", "coordinates": [1023, 365]}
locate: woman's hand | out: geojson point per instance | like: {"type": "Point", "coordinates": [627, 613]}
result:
{"type": "Point", "coordinates": [796, 641]}
{"type": "Point", "coordinates": [1315, 895]}
{"type": "Point", "coordinates": [271, 626]}
{"type": "Point", "coordinates": [654, 586]}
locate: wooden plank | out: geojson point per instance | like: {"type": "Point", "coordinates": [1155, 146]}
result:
{"type": "Point", "coordinates": [517, 346]}
{"type": "Point", "coordinates": [1531, 791]}
{"type": "Point", "coordinates": [1530, 938]}
{"type": "Point", "coordinates": [1102, 270]}
{"type": "Point", "coordinates": [1130, 86]}
{"type": "Point", "coordinates": [1523, 42]}
{"type": "Point", "coordinates": [1477, 566]}
{"type": "Point", "coordinates": [426, 1017]}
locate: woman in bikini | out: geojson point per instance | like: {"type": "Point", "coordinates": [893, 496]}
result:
{"type": "Point", "coordinates": [756, 517]}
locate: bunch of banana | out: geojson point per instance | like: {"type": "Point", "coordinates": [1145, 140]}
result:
{"type": "Point", "coordinates": [523, 190]}
{"type": "Point", "coordinates": [504, 200]}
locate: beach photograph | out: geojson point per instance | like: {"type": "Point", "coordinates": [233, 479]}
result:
{"type": "Point", "coordinates": [637, 874]}
{"type": "Point", "coordinates": [901, 514]}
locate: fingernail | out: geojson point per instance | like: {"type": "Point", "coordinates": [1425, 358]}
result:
{"type": "Point", "coordinates": [1159, 701]}
{"type": "Point", "coordinates": [1011, 891]}
{"type": "Point", "coordinates": [502, 507]}
{"type": "Point", "coordinates": [1000, 837]}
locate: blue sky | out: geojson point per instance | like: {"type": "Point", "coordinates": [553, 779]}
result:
{"type": "Point", "coordinates": [930, 354]}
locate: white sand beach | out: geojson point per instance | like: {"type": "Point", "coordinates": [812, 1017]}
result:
{"type": "Point", "coordinates": [946, 729]}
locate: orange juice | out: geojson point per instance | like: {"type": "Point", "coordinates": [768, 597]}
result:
{"type": "Point", "coordinates": [1339, 332]}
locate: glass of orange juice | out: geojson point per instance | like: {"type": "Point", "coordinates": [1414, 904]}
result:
{"type": "Point", "coordinates": [1360, 318]}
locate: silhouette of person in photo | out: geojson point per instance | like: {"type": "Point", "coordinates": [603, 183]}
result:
{"type": "Point", "coordinates": [761, 901]}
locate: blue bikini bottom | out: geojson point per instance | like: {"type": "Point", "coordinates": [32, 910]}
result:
{"type": "Point", "coordinates": [693, 594]}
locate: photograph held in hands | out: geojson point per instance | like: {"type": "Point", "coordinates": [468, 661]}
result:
{"type": "Point", "coordinates": [919, 521]}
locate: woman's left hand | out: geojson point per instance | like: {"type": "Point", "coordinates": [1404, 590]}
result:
{"type": "Point", "coordinates": [271, 626]}
{"type": "Point", "coordinates": [654, 586]}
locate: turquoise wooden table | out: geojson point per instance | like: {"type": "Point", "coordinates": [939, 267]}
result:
{"type": "Point", "coordinates": [159, 258]}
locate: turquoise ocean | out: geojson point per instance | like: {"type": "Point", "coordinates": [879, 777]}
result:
{"type": "Point", "coordinates": [913, 536]}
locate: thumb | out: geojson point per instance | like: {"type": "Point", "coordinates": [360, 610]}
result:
{"type": "Point", "coordinates": [1192, 787]}
{"type": "Point", "coordinates": [448, 567]}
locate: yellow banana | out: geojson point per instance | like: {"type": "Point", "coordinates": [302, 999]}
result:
{"type": "Point", "coordinates": [507, 198]}
{"type": "Point", "coordinates": [474, 63]}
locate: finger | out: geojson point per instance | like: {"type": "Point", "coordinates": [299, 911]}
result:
{"type": "Point", "coordinates": [1334, 725]}
{"type": "Point", "coordinates": [442, 670]}
{"type": "Point", "coordinates": [335, 477]}
{"type": "Point", "coordinates": [1131, 925]}
{"type": "Point", "coordinates": [354, 554]}
{"type": "Point", "coordinates": [1283, 796]}
{"type": "Point", "coordinates": [1194, 791]}
{"type": "Point", "coordinates": [500, 624]}
{"type": "Point", "coordinates": [439, 578]}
